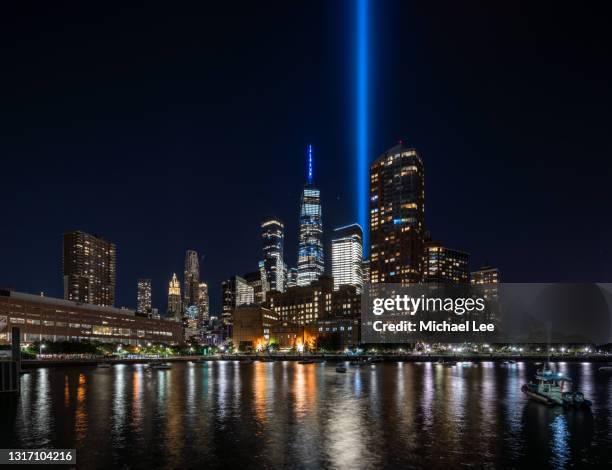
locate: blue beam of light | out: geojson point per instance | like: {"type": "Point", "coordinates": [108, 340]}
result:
{"type": "Point", "coordinates": [309, 164]}
{"type": "Point", "coordinates": [361, 131]}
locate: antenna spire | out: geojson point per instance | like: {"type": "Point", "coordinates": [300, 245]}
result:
{"type": "Point", "coordinates": [309, 164]}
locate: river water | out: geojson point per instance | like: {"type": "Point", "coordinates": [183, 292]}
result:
{"type": "Point", "coordinates": [285, 415]}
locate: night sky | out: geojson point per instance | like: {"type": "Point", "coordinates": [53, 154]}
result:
{"type": "Point", "coordinates": [171, 128]}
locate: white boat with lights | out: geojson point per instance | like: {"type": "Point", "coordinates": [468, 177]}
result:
{"type": "Point", "coordinates": [554, 388]}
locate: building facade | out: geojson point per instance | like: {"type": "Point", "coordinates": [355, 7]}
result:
{"type": "Point", "coordinates": [257, 281]}
{"type": "Point", "coordinates": [48, 319]}
{"type": "Point", "coordinates": [397, 216]}
{"type": "Point", "coordinates": [310, 253]}
{"type": "Point", "coordinates": [236, 291]}
{"type": "Point", "coordinates": [251, 326]}
{"type": "Point", "coordinates": [292, 277]}
{"type": "Point", "coordinates": [191, 281]}
{"type": "Point", "coordinates": [445, 265]}
{"type": "Point", "coordinates": [347, 257]}
{"type": "Point", "coordinates": [485, 275]}
{"type": "Point", "coordinates": [175, 310]}
{"type": "Point", "coordinates": [203, 306]}
{"type": "Point", "coordinates": [143, 298]}
{"type": "Point", "coordinates": [273, 235]}
{"type": "Point", "coordinates": [90, 269]}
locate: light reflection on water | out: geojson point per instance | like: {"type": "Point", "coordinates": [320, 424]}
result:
{"type": "Point", "coordinates": [227, 414]}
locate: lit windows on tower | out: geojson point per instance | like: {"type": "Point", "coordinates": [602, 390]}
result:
{"type": "Point", "coordinates": [397, 216]}
{"type": "Point", "coordinates": [347, 253]}
{"type": "Point", "coordinates": [144, 297]}
{"type": "Point", "coordinates": [310, 253]}
{"type": "Point", "coordinates": [272, 233]}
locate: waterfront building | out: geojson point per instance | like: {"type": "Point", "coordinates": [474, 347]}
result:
{"type": "Point", "coordinates": [347, 254]}
{"type": "Point", "coordinates": [143, 305]}
{"type": "Point", "coordinates": [175, 310]}
{"type": "Point", "coordinates": [292, 336]}
{"type": "Point", "coordinates": [251, 327]}
{"type": "Point", "coordinates": [328, 315]}
{"type": "Point", "coordinates": [43, 318]}
{"type": "Point", "coordinates": [236, 291]}
{"type": "Point", "coordinates": [303, 304]}
{"type": "Point", "coordinates": [310, 253]}
{"type": "Point", "coordinates": [272, 234]}
{"type": "Point", "coordinates": [445, 265]}
{"type": "Point", "coordinates": [397, 216]}
{"type": "Point", "coordinates": [89, 265]}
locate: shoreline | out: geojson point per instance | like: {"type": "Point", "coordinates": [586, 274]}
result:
{"type": "Point", "coordinates": [36, 363]}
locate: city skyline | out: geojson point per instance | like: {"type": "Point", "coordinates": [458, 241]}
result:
{"type": "Point", "coordinates": [500, 143]}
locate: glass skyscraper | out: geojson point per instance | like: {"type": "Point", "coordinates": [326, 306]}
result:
{"type": "Point", "coordinates": [310, 254]}
{"type": "Point", "coordinates": [272, 233]}
{"type": "Point", "coordinates": [347, 252]}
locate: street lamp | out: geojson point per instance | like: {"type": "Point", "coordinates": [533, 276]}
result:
{"type": "Point", "coordinates": [40, 348]}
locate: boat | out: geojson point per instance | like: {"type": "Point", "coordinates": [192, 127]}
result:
{"type": "Point", "coordinates": [160, 365]}
{"type": "Point", "coordinates": [605, 369]}
{"type": "Point", "coordinates": [104, 365]}
{"type": "Point", "coordinates": [341, 369]}
{"type": "Point", "coordinates": [554, 388]}
{"type": "Point", "coordinates": [306, 361]}
{"type": "Point", "coordinates": [374, 360]}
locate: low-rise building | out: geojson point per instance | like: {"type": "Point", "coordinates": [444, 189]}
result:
{"type": "Point", "coordinates": [49, 319]}
{"type": "Point", "coordinates": [251, 327]}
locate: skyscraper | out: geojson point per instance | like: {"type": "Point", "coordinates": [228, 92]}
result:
{"type": "Point", "coordinates": [89, 269]}
{"type": "Point", "coordinates": [144, 306]}
{"type": "Point", "coordinates": [236, 291]}
{"type": "Point", "coordinates": [310, 253]}
{"type": "Point", "coordinates": [174, 299]}
{"type": "Point", "coordinates": [397, 216]}
{"type": "Point", "coordinates": [272, 233]}
{"type": "Point", "coordinates": [347, 253]}
{"type": "Point", "coordinates": [191, 281]}
{"type": "Point", "coordinates": [203, 304]}
{"type": "Point", "coordinates": [203, 309]}
{"type": "Point", "coordinates": [255, 280]}
{"type": "Point", "coordinates": [292, 277]}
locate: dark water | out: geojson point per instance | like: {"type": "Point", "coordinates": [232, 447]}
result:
{"type": "Point", "coordinates": [286, 415]}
